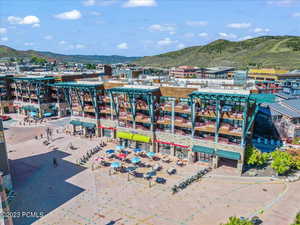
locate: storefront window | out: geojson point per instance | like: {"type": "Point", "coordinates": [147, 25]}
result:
{"type": "Point", "coordinates": [107, 133]}
{"type": "Point", "coordinates": [204, 157]}
{"type": "Point", "coordinates": [165, 149]}
{"type": "Point", "coordinates": [181, 153]}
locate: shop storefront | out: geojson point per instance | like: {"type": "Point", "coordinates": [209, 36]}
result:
{"type": "Point", "coordinates": [203, 154]}
{"type": "Point", "coordinates": [181, 151]}
{"type": "Point", "coordinates": [83, 128]}
{"type": "Point", "coordinates": [227, 158]}
{"type": "Point", "coordinates": [107, 131]}
{"type": "Point", "coordinates": [134, 140]}
{"type": "Point", "coordinates": [164, 148]}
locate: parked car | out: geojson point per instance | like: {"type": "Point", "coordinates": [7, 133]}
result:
{"type": "Point", "coordinates": [160, 180]}
{"type": "Point", "coordinates": [256, 220]}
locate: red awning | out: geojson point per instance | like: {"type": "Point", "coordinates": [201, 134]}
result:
{"type": "Point", "coordinates": [181, 146]}
{"type": "Point", "coordinates": [163, 142]}
{"type": "Point", "coordinates": [110, 128]}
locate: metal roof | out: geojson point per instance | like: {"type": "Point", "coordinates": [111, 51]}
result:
{"type": "Point", "coordinates": [75, 84]}
{"type": "Point", "coordinates": [294, 104]}
{"type": "Point", "coordinates": [133, 90]}
{"type": "Point", "coordinates": [284, 110]}
{"type": "Point", "coordinates": [34, 78]}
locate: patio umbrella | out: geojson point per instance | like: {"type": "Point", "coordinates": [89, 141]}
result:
{"type": "Point", "coordinates": [150, 154]}
{"type": "Point", "coordinates": [110, 151]}
{"type": "Point", "coordinates": [137, 150]}
{"type": "Point", "coordinates": [119, 147]}
{"type": "Point", "coordinates": [135, 160]}
{"type": "Point", "coordinates": [121, 155]}
{"type": "Point", "coordinates": [115, 165]}
{"type": "Point", "coordinates": [98, 159]}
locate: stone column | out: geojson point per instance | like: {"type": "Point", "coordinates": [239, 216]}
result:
{"type": "Point", "coordinates": [5, 205]}
{"type": "Point", "coordinates": [172, 150]}
{"type": "Point", "coordinates": [173, 117]}
{"type": "Point", "coordinates": [191, 158]}
{"type": "Point", "coordinates": [215, 161]}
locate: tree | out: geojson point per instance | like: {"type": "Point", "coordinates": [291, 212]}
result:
{"type": "Point", "coordinates": [90, 66]}
{"type": "Point", "coordinates": [38, 60]}
{"type": "Point", "coordinates": [237, 221]}
{"type": "Point", "coordinates": [297, 220]}
{"type": "Point", "coordinates": [282, 161]}
{"type": "Point", "coordinates": [255, 157]}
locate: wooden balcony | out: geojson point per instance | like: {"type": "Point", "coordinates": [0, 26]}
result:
{"type": "Point", "coordinates": [164, 121]}
{"type": "Point", "coordinates": [224, 115]}
{"type": "Point", "coordinates": [89, 109]}
{"type": "Point", "coordinates": [185, 124]}
{"type": "Point", "coordinates": [143, 119]}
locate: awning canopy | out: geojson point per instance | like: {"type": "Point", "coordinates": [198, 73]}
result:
{"type": "Point", "coordinates": [33, 114]}
{"type": "Point", "coordinates": [202, 149]}
{"type": "Point", "coordinates": [47, 114]}
{"type": "Point", "coordinates": [88, 125]}
{"type": "Point", "coordinates": [30, 108]}
{"type": "Point", "coordinates": [124, 135]}
{"type": "Point", "coordinates": [75, 122]}
{"type": "Point", "coordinates": [141, 138]}
{"type": "Point", "coordinates": [228, 154]}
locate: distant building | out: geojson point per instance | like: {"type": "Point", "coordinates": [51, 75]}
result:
{"type": "Point", "coordinates": [184, 72]}
{"type": "Point", "coordinates": [272, 74]}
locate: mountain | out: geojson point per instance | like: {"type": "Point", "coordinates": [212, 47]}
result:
{"type": "Point", "coordinates": [265, 51]}
{"type": "Point", "coordinates": [10, 52]}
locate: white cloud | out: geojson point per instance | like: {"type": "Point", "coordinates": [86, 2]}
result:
{"type": "Point", "coordinates": [196, 23]}
{"type": "Point", "coordinates": [62, 42]}
{"type": "Point", "coordinates": [166, 42]}
{"type": "Point", "coordinates": [70, 15]}
{"type": "Point", "coordinates": [48, 37]}
{"type": "Point", "coordinates": [79, 46]}
{"type": "Point", "coordinates": [163, 28]}
{"type": "Point", "coordinates": [239, 25]}
{"type": "Point", "coordinates": [203, 34]}
{"type": "Point", "coordinates": [297, 14]}
{"type": "Point", "coordinates": [89, 2]}
{"type": "Point", "coordinates": [227, 36]}
{"type": "Point", "coordinates": [3, 30]}
{"type": "Point", "coordinates": [140, 3]}
{"type": "Point", "coordinates": [4, 39]}
{"type": "Point", "coordinates": [28, 43]}
{"type": "Point", "coordinates": [36, 25]}
{"type": "Point", "coordinates": [94, 13]}
{"type": "Point", "coordinates": [282, 3]}
{"type": "Point", "coordinates": [246, 38]}
{"type": "Point", "coordinates": [26, 20]}
{"type": "Point", "coordinates": [123, 45]}
{"type": "Point", "coordinates": [259, 30]}
{"type": "Point", "coordinates": [181, 46]}
{"type": "Point", "coordinates": [189, 35]}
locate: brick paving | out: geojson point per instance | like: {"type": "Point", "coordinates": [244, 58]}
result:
{"type": "Point", "coordinates": [72, 194]}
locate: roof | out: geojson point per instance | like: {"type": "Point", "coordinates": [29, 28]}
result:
{"type": "Point", "coordinates": [34, 78]}
{"type": "Point", "coordinates": [77, 84]}
{"type": "Point", "coordinates": [135, 89]}
{"type": "Point", "coordinates": [294, 104]}
{"type": "Point", "coordinates": [283, 110]}
{"type": "Point", "coordinates": [285, 95]}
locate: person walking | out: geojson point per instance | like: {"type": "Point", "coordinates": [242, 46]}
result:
{"type": "Point", "coordinates": [55, 162]}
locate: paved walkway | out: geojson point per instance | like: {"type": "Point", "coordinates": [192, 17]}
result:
{"type": "Point", "coordinates": [72, 194]}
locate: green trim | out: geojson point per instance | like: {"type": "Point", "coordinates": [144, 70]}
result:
{"type": "Point", "coordinates": [202, 149]}
{"type": "Point", "coordinates": [124, 135]}
{"type": "Point", "coordinates": [75, 85]}
{"type": "Point", "coordinates": [141, 138]}
{"type": "Point", "coordinates": [34, 78]}
{"type": "Point", "coordinates": [88, 125]}
{"type": "Point", "coordinates": [133, 90]}
{"type": "Point", "coordinates": [228, 154]}
{"type": "Point", "coordinates": [75, 122]}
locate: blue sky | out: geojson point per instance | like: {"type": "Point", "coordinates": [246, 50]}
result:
{"type": "Point", "coordinates": [140, 27]}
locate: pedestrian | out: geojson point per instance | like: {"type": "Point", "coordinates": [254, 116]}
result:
{"type": "Point", "coordinates": [36, 137]}
{"type": "Point", "coordinates": [57, 131]}
{"type": "Point", "coordinates": [41, 136]}
{"type": "Point", "coordinates": [55, 162]}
